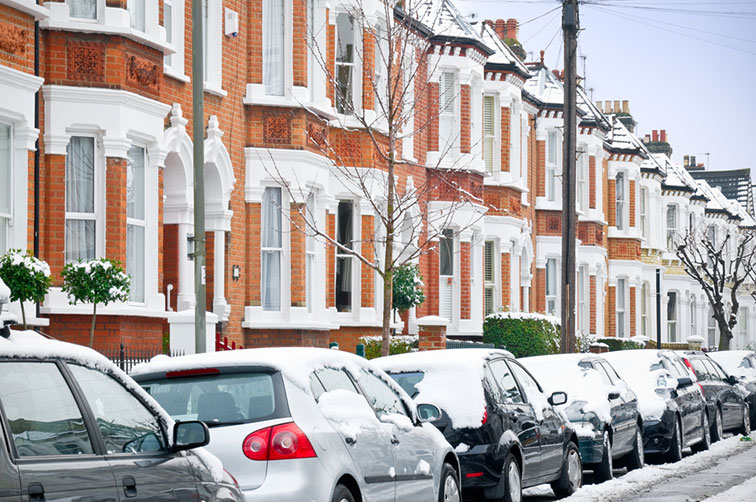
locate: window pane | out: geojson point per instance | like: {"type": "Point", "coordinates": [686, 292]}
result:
{"type": "Point", "coordinates": [383, 399]}
{"type": "Point", "coordinates": [446, 253]}
{"type": "Point", "coordinates": [344, 231]}
{"type": "Point", "coordinates": [137, 14]}
{"type": "Point", "coordinates": [168, 21]}
{"type": "Point", "coordinates": [271, 218]}
{"type": "Point", "coordinates": [551, 278]}
{"type": "Point", "coordinates": [672, 217]}
{"type": "Point", "coordinates": [334, 379]}
{"type": "Point", "coordinates": [507, 383]}
{"type": "Point", "coordinates": [672, 306]}
{"type": "Point", "coordinates": [344, 62]}
{"type": "Point", "coordinates": [621, 294]}
{"type": "Point", "coordinates": [41, 411]}
{"type": "Point", "coordinates": [86, 9]}
{"type": "Point", "coordinates": [273, 47]}
{"type": "Point", "coordinates": [80, 173]}
{"type": "Point", "coordinates": [126, 425]}
{"type": "Point", "coordinates": [271, 280]}
{"type": "Point", "coordinates": [489, 262]}
{"type": "Point", "coordinates": [344, 284]}
{"type": "Point", "coordinates": [80, 240]}
{"type": "Point", "coordinates": [552, 148]}
{"type": "Point", "coordinates": [135, 261]}
{"type": "Point", "coordinates": [135, 183]}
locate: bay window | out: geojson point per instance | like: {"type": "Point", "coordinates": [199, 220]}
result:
{"type": "Point", "coordinates": [552, 307]}
{"type": "Point", "coordinates": [310, 251]}
{"type": "Point", "coordinates": [552, 145]}
{"type": "Point", "coordinates": [644, 309]}
{"type": "Point", "coordinates": [672, 316]}
{"type": "Point", "coordinates": [621, 201]}
{"type": "Point", "coordinates": [621, 307]}
{"type": "Point", "coordinates": [446, 273]}
{"type": "Point", "coordinates": [82, 9]}
{"type": "Point", "coordinates": [582, 181]}
{"type": "Point", "coordinates": [583, 300]}
{"type": "Point", "coordinates": [81, 218]}
{"type": "Point", "coordinates": [6, 166]}
{"type": "Point", "coordinates": [489, 133]}
{"type": "Point", "coordinates": [644, 212]}
{"type": "Point", "coordinates": [447, 110]}
{"type": "Point", "coordinates": [345, 63]}
{"type": "Point", "coordinates": [135, 221]}
{"type": "Point", "coordinates": [671, 227]}
{"type": "Point", "coordinates": [137, 14]}
{"type": "Point", "coordinates": [273, 45]}
{"type": "Point", "coordinates": [489, 277]}
{"type": "Point", "coordinates": [344, 260]}
{"type": "Point", "coordinates": [271, 249]}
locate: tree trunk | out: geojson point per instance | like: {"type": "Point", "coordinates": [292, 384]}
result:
{"type": "Point", "coordinates": [725, 334]}
{"type": "Point", "coordinates": [92, 328]}
{"type": "Point", "coordinates": [23, 313]}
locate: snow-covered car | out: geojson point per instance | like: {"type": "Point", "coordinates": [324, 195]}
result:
{"type": "Point", "coordinates": [742, 364]}
{"type": "Point", "coordinates": [671, 404]}
{"type": "Point", "coordinates": [294, 424]}
{"type": "Point", "coordinates": [75, 427]}
{"type": "Point", "coordinates": [504, 428]}
{"type": "Point", "coordinates": [602, 408]}
{"type": "Point", "coordinates": [725, 398]}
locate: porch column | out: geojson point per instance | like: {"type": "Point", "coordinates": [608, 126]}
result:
{"type": "Point", "coordinates": [220, 307]}
{"type": "Point", "coordinates": [186, 298]}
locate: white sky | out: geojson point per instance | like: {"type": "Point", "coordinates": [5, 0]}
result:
{"type": "Point", "coordinates": [703, 94]}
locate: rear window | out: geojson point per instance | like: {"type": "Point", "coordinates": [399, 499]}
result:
{"type": "Point", "coordinates": [408, 381]}
{"type": "Point", "coordinates": [223, 398]}
{"type": "Point", "coordinates": [700, 369]}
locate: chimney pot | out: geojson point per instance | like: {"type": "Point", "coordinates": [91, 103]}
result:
{"type": "Point", "coordinates": [663, 135]}
{"type": "Point", "coordinates": [647, 138]}
{"type": "Point", "coordinates": [607, 106]}
{"type": "Point", "coordinates": [693, 160]}
{"type": "Point", "coordinates": [501, 28]}
{"type": "Point", "coordinates": [625, 106]}
{"type": "Point", "coordinates": [512, 28]}
{"type": "Point", "coordinates": [686, 160]}
{"type": "Point", "coordinates": [655, 135]}
{"type": "Point", "coordinates": [617, 106]}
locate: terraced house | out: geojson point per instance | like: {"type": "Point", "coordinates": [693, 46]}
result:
{"type": "Point", "coordinates": [308, 107]}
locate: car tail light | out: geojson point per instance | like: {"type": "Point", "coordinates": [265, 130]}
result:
{"type": "Point", "coordinates": [280, 442]}
{"type": "Point", "coordinates": [485, 417]}
{"type": "Point", "coordinates": [473, 474]}
{"type": "Point", "coordinates": [192, 372]}
{"type": "Point", "coordinates": [702, 390]}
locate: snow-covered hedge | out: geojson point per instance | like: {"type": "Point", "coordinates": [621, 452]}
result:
{"type": "Point", "coordinates": [523, 333]}
{"type": "Point", "coordinates": [621, 343]}
{"type": "Point", "coordinates": [400, 344]}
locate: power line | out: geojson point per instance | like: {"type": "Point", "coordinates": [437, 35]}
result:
{"type": "Point", "coordinates": [671, 10]}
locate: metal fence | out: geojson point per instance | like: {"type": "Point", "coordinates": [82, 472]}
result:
{"type": "Point", "coordinates": [464, 344]}
{"type": "Point", "coordinates": [128, 357]}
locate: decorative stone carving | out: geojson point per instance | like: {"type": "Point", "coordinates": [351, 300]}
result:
{"type": "Point", "coordinates": [86, 61]}
{"type": "Point", "coordinates": [142, 71]}
{"type": "Point", "coordinates": [317, 134]}
{"type": "Point", "coordinates": [277, 130]}
{"type": "Point", "coordinates": [12, 39]}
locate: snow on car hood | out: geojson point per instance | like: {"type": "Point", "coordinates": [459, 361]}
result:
{"type": "Point", "coordinates": [732, 360]}
{"type": "Point", "coordinates": [634, 366]}
{"type": "Point", "coordinates": [452, 380]}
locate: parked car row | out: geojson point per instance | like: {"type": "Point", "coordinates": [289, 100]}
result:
{"type": "Point", "coordinates": [312, 424]}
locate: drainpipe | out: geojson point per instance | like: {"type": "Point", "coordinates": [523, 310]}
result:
{"type": "Point", "coordinates": [658, 309]}
{"type": "Point", "coordinates": [36, 147]}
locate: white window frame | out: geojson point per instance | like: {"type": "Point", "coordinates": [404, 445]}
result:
{"type": "Point", "coordinates": [173, 64]}
{"type": "Point", "coordinates": [448, 111]}
{"type": "Point", "coordinates": [489, 277]}
{"type": "Point", "coordinates": [212, 44]}
{"type": "Point", "coordinates": [137, 14]}
{"type": "Point", "coordinates": [354, 270]}
{"type": "Point", "coordinates": [277, 39]}
{"type": "Point", "coordinates": [552, 161]}
{"type": "Point", "coordinates": [582, 180]}
{"type": "Point", "coordinates": [270, 250]}
{"type": "Point", "coordinates": [552, 287]}
{"type": "Point", "coordinates": [8, 216]}
{"type": "Point", "coordinates": [584, 292]}
{"type": "Point", "coordinates": [353, 91]}
{"type": "Point", "coordinates": [620, 197]}
{"type": "Point", "coordinates": [644, 212]}
{"type": "Point", "coordinates": [311, 208]}
{"type": "Point", "coordinates": [410, 76]}
{"type": "Point", "coordinates": [671, 229]}
{"type": "Point", "coordinates": [743, 327]}
{"type": "Point", "coordinates": [99, 201]}
{"type": "Point", "coordinates": [692, 313]}
{"type": "Point", "coordinates": [672, 321]}
{"type": "Point", "coordinates": [490, 135]}
{"type": "Point", "coordinates": [711, 329]}
{"type": "Point", "coordinates": [621, 301]}
{"type": "Point", "coordinates": [644, 308]}
{"type": "Point", "coordinates": [446, 302]}
{"type": "Point", "coordinates": [135, 222]}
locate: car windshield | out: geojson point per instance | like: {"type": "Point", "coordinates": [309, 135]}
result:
{"type": "Point", "coordinates": [408, 381]}
{"type": "Point", "coordinates": [221, 399]}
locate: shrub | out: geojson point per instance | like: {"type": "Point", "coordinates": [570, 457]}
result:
{"type": "Point", "coordinates": [400, 344]}
{"type": "Point", "coordinates": [621, 343]}
{"type": "Point", "coordinates": [407, 288]}
{"type": "Point", "coordinates": [96, 281]}
{"type": "Point", "coordinates": [27, 277]}
{"type": "Point", "coordinates": [523, 334]}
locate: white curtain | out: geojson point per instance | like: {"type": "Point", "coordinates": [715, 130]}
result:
{"type": "Point", "coordinates": [135, 261]}
{"type": "Point", "coordinates": [137, 14]}
{"type": "Point", "coordinates": [135, 214]}
{"type": "Point", "coordinates": [80, 172]}
{"type": "Point", "coordinates": [5, 184]}
{"type": "Point", "coordinates": [271, 249]}
{"type": "Point", "coordinates": [273, 47]}
{"type": "Point", "coordinates": [86, 9]}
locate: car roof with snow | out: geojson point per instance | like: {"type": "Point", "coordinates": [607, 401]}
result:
{"type": "Point", "coordinates": [560, 372]}
{"type": "Point", "coordinates": [445, 360]}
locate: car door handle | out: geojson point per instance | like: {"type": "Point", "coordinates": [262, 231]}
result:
{"type": "Point", "coordinates": [513, 416]}
{"type": "Point", "coordinates": [394, 440]}
{"type": "Point", "coordinates": [36, 492]}
{"type": "Point", "coordinates": [350, 441]}
{"type": "Point", "coordinates": [129, 487]}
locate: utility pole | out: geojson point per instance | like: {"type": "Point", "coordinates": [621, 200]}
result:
{"type": "Point", "coordinates": [570, 26]}
{"type": "Point", "coordinates": [198, 137]}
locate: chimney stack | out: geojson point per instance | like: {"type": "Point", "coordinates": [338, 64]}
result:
{"type": "Point", "coordinates": [625, 106]}
{"type": "Point", "coordinates": [512, 28]}
{"type": "Point", "coordinates": [693, 161]}
{"type": "Point", "coordinates": [500, 27]}
{"type": "Point", "coordinates": [616, 108]}
{"type": "Point", "coordinates": [663, 135]}
{"type": "Point", "coordinates": [686, 161]}
{"type": "Point", "coordinates": [655, 136]}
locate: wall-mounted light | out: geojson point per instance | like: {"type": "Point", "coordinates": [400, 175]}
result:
{"type": "Point", "coordinates": [235, 272]}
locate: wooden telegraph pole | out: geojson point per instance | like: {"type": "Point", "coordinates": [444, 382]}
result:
{"type": "Point", "coordinates": [570, 26]}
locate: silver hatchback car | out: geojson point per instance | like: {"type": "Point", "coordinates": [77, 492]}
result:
{"type": "Point", "coordinates": [304, 424]}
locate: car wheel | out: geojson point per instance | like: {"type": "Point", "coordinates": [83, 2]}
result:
{"type": "Point", "coordinates": [449, 491]}
{"type": "Point", "coordinates": [342, 494]}
{"type": "Point", "coordinates": [675, 449]}
{"type": "Point", "coordinates": [636, 459]}
{"type": "Point", "coordinates": [605, 470]}
{"type": "Point", "coordinates": [716, 428]}
{"type": "Point", "coordinates": [706, 435]}
{"type": "Point", "coordinates": [512, 480]}
{"type": "Point", "coordinates": [745, 428]}
{"type": "Point", "coordinates": [571, 477]}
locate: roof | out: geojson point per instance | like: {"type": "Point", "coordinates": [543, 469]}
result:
{"type": "Point", "coordinates": [621, 139]}
{"type": "Point", "coordinates": [677, 177]}
{"type": "Point", "coordinates": [462, 359]}
{"type": "Point", "coordinates": [503, 57]}
{"type": "Point", "coordinates": [592, 113]}
{"type": "Point", "coordinates": [735, 184]}
{"type": "Point", "coordinates": [545, 87]}
{"type": "Point", "coordinates": [447, 24]}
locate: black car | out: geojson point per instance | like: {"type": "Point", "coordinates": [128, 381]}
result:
{"type": "Point", "coordinates": [725, 401]}
{"type": "Point", "coordinates": [504, 429]}
{"type": "Point", "coordinates": [74, 427]}
{"type": "Point", "coordinates": [672, 406]}
{"type": "Point", "coordinates": [742, 364]}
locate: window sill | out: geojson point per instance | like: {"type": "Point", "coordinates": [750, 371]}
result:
{"type": "Point", "coordinates": [215, 89]}
{"type": "Point", "coordinates": [29, 7]}
{"type": "Point", "coordinates": [176, 74]}
{"type": "Point", "coordinates": [255, 95]}
{"type": "Point", "coordinates": [56, 302]}
{"type": "Point", "coordinates": [293, 318]}
{"type": "Point", "coordinates": [113, 21]}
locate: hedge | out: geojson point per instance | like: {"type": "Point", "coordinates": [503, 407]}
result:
{"type": "Point", "coordinates": [523, 334]}
{"type": "Point", "coordinates": [400, 344]}
{"type": "Point", "coordinates": [621, 343]}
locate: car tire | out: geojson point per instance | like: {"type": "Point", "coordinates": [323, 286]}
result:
{"type": "Point", "coordinates": [571, 476]}
{"type": "Point", "coordinates": [342, 494]}
{"type": "Point", "coordinates": [675, 449]}
{"type": "Point", "coordinates": [449, 490]}
{"type": "Point", "coordinates": [716, 428]}
{"type": "Point", "coordinates": [745, 427]}
{"type": "Point", "coordinates": [512, 476]}
{"type": "Point", "coordinates": [705, 442]}
{"type": "Point", "coordinates": [636, 459]}
{"type": "Point", "coordinates": [605, 470]}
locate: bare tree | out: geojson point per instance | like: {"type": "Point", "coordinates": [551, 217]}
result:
{"type": "Point", "coordinates": [412, 202]}
{"type": "Point", "coordinates": [720, 267]}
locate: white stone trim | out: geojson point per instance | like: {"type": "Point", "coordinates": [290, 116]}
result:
{"type": "Point", "coordinates": [28, 7]}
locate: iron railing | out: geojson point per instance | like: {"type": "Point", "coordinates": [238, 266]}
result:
{"type": "Point", "coordinates": [127, 357]}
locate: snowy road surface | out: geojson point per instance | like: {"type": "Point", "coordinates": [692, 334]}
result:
{"type": "Point", "coordinates": [725, 473]}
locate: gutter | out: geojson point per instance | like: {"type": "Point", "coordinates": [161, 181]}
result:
{"type": "Point", "coordinates": [36, 147]}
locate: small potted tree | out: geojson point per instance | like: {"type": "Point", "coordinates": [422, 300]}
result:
{"type": "Point", "coordinates": [100, 281]}
{"type": "Point", "coordinates": [27, 277]}
{"type": "Point", "coordinates": [408, 288]}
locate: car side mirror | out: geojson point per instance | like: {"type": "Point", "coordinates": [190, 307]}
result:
{"type": "Point", "coordinates": [732, 379]}
{"type": "Point", "coordinates": [557, 398]}
{"type": "Point", "coordinates": [684, 382]}
{"type": "Point", "coordinates": [613, 395]}
{"type": "Point", "coordinates": [428, 413]}
{"type": "Point", "coordinates": [188, 435]}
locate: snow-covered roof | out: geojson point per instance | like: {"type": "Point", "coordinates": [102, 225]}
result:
{"type": "Point", "coordinates": [718, 203]}
{"type": "Point", "coordinates": [444, 20]}
{"type": "Point", "coordinates": [545, 87]}
{"type": "Point", "coordinates": [677, 176]}
{"type": "Point", "coordinates": [619, 137]}
{"type": "Point", "coordinates": [591, 111]}
{"type": "Point", "coordinates": [502, 55]}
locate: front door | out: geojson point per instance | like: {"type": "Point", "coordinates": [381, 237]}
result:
{"type": "Point", "coordinates": [135, 443]}
{"type": "Point", "coordinates": [53, 446]}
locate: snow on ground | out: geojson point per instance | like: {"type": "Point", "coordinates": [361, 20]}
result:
{"type": "Point", "coordinates": [739, 493]}
{"type": "Point", "coordinates": [643, 479]}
